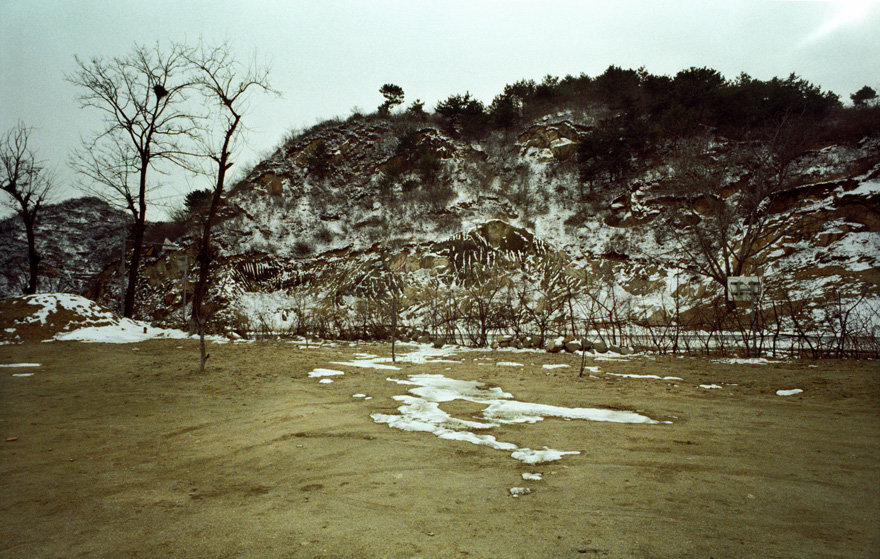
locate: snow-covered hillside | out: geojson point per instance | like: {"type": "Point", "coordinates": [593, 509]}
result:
{"type": "Point", "coordinates": [76, 239]}
{"type": "Point", "coordinates": [473, 238]}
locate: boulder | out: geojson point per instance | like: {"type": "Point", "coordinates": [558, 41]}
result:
{"type": "Point", "coordinates": [555, 345]}
{"type": "Point", "coordinates": [600, 347]}
{"type": "Point", "coordinates": [439, 342]}
{"type": "Point", "coordinates": [572, 345]}
{"type": "Point", "coordinates": [504, 341]}
{"type": "Point", "coordinates": [424, 339]}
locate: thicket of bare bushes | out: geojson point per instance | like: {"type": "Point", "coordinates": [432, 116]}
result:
{"type": "Point", "coordinates": [533, 307]}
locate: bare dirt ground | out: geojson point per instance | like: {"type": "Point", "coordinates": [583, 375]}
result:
{"type": "Point", "coordinates": [125, 451]}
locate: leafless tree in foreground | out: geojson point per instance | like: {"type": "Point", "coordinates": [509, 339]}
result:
{"type": "Point", "coordinates": [141, 97]}
{"type": "Point", "coordinates": [28, 184]}
{"type": "Point", "coordinates": [226, 85]}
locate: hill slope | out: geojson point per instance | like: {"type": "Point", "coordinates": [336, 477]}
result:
{"type": "Point", "coordinates": [501, 234]}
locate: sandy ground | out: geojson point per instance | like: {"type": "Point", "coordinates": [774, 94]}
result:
{"type": "Point", "coordinates": [125, 451]}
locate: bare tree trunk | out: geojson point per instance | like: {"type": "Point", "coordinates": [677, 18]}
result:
{"type": "Point", "coordinates": [134, 265]}
{"type": "Point", "coordinates": [33, 257]}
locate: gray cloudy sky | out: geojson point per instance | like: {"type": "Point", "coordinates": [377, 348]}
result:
{"type": "Point", "coordinates": [330, 56]}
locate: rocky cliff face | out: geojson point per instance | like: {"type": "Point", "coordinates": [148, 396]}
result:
{"type": "Point", "coordinates": [76, 238]}
{"type": "Point", "coordinates": [350, 219]}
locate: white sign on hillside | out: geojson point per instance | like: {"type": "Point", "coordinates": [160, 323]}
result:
{"type": "Point", "coordinates": [744, 288]}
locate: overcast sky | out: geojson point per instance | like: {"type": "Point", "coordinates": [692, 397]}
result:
{"type": "Point", "coordinates": [330, 56]}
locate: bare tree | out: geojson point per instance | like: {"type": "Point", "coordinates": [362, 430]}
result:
{"type": "Point", "coordinates": [141, 97]}
{"type": "Point", "coordinates": [28, 184]}
{"type": "Point", "coordinates": [483, 302]}
{"type": "Point", "coordinates": [543, 292]}
{"type": "Point", "coordinates": [226, 84]}
{"type": "Point", "coordinates": [722, 224]}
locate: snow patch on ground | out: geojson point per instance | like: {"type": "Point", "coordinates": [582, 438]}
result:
{"type": "Point", "coordinates": [743, 361]}
{"type": "Point", "coordinates": [563, 366]}
{"type": "Point", "coordinates": [21, 365]}
{"type": "Point", "coordinates": [367, 364]}
{"type": "Point", "coordinates": [126, 331]}
{"type": "Point", "coordinates": [422, 354]}
{"type": "Point", "coordinates": [324, 373]}
{"type": "Point", "coordinates": [791, 392]}
{"type": "Point", "coordinates": [643, 376]}
{"type": "Point", "coordinates": [421, 412]}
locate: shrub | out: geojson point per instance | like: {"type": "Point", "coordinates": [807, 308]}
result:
{"type": "Point", "coordinates": [302, 248]}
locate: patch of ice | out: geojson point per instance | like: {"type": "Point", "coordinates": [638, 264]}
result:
{"type": "Point", "coordinates": [791, 392]}
{"type": "Point", "coordinates": [21, 365]}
